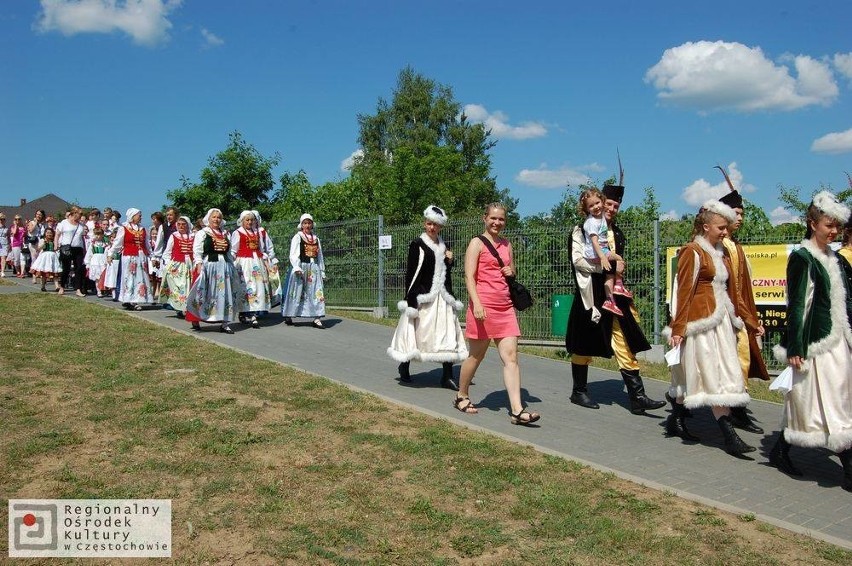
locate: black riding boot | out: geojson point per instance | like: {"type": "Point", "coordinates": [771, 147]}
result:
{"type": "Point", "coordinates": [639, 401]}
{"type": "Point", "coordinates": [403, 372]}
{"type": "Point", "coordinates": [734, 445]}
{"type": "Point", "coordinates": [846, 461]}
{"type": "Point", "coordinates": [780, 457]}
{"type": "Point", "coordinates": [675, 425]}
{"type": "Point", "coordinates": [447, 379]}
{"type": "Point", "coordinates": [579, 394]}
{"type": "Point", "coordinates": [741, 419]}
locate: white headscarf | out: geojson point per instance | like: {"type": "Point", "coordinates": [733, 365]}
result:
{"type": "Point", "coordinates": [243, 214]}
{"type": "Point", "coordinates": [131, 212]}
{"type": "Point", "coordinates": [206, 220]}
{"type": "Point", "coordinates": [304, 217]}
{"type": "Point", "coordinates": [257, 217]}
{"type": "Point", "coordinates": [188, 224]}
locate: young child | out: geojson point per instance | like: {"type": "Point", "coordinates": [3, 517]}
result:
{"type": "Point", "coordinates": [597, 247]}
{"type": "Point", "coordinates": [154, 269]}
{"type": "Point", "coordinates": [47, 263]}
{"type": "Point", "coordinates": [96, 258]}
{"type": "Point", "coordinates": [110, 275]}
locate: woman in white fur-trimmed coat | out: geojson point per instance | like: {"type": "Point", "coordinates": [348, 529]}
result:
{"type": "Point", "coordinates": [704, 325]}
{"type": "Point", "coordinates": [818, 405]}
{"type": "Point", "coordinates": [429, 328]}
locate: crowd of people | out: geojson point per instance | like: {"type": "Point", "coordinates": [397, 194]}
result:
{"type": "Point", "coordinates": [207, 274]}
{"type": "Point", "coordinates": [200, 270]}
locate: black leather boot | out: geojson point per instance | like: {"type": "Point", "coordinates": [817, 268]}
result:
{"type": "Point", "coordinates": [734, 445]}
{"type": "Point", "coordinates": [741, 419]}
{"type": "Point", "coordinates": [404, 376]}
{"type": "Point", "coordinates": [687, 414]}
{"type": "Point", "coordinates": [579, 394]}
{"type": "Point", "coordinates": [675, 425]}
{"type": "Point", "coordinates": [447, 379]}
{"type": "Point", "coordinates": [780, 457]}
{"type": "Point", "coordinates": [846, 462]}
{"type": "Point", "coordinates": [639, 401]}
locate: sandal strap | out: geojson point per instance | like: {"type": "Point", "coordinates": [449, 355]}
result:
{"type": "Point", "coordinates": [458, 404]}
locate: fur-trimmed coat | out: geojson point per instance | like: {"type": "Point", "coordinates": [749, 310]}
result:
{"type": "Point", "coordinates": [702, 292]}
{"type": "Point", "coordinates": [427, 273]}
{"type": "Point", "coordinates": [742, 296]}
{"type": "Point", "coordinates": [818, 306]}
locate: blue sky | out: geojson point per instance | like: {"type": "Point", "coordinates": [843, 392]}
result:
{"type": "Point", "coordinates": [110, 102]}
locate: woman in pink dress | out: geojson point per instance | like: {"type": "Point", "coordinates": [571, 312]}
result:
{"type": "Point", "coordinates": [491, 316]}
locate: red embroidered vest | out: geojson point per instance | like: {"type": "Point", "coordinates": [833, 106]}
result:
{"type": "Point", "coordinates": [181, 248]}
{"type": "Point", "coordinates": [133, 241]}
{"type": "Point", "coordinates": [249, 245]}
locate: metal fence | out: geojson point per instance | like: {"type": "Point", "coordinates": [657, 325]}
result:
{"type": "Point", "coordinates": [360, 275]}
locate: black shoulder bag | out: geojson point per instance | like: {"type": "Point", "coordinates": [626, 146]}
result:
{"type": "Point", "coordinates": [520, 295]}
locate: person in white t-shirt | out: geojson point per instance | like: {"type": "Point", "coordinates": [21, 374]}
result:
{"type": "Point", "coordinates": [597, 248]}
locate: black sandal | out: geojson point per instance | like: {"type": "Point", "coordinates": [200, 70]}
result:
{"type": "Point", "coordinates": [468, 408]}
{"type": "Point", "coordinates": [519, 420]}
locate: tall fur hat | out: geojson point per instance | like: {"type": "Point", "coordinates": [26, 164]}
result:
{"type": "Point", "coordinates": [733, 199]}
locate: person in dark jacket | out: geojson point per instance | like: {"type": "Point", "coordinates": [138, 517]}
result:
{"type": "Point", "coordinates": [429, 328]}
{"type": "Point", "coordinates": [594, 332]}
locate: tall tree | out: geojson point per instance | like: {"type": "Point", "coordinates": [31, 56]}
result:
{"type": "Point", "coordinates": [235, 179]}
{"type": "Point", "coordinates": [419, 149]}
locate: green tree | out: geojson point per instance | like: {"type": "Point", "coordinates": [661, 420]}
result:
{"type": "Point", "coordinates": [419, 149]}
{"type": "Point", "coordinates": [235, 179]}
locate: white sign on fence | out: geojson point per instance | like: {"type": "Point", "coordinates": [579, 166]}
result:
{"type": "Point", "coordinates": [385, 242]}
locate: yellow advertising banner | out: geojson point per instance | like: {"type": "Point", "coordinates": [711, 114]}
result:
{"type": "Point", "coordinates": [768, 278]}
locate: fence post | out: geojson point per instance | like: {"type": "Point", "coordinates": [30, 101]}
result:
{"type": "Point", "coordinates": [381, 281]}
{"type": "Point", "coordinates": [657, 281]}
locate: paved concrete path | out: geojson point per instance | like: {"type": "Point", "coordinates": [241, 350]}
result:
{"type": "Point", "coordinates": [610, 439]}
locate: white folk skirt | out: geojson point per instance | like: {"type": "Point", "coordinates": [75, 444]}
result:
{"type": "Point", "coordinates": [433, 335]}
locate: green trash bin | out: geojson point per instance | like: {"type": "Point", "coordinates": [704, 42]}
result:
{"type": "Point", "coordinates": [560, 308]}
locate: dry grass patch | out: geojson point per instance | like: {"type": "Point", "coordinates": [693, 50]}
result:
{"type": "Point", "coordinates": [267, 465]}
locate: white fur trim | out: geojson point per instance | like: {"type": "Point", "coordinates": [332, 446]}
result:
{"type": "Point", "coordinates": [403, 357]}
{"type": "Point", "coordinates": [839, 321]}
{"type": "Point", "coordinates": [840, 441]}
{"type": "Point", "coordinates": [780, 353]}
{"type": "Point", "coordinates": [445, 356]}
{"type": "Point", "coordinates": [837, 442]}
{"type": "Point", "coordinates": [720, 293]}
{"type": "Point", "coordinates": [829, 205]}
{"type": "Point", "coordinates": [721, 209]}
{"type": "Point", "coordinates": [440, 273]}
{"type": "Point", "coordinates": [716, 400]}
{"type": "Point", "coordinates": [435, 214]}
{"type": "Point", "coordinates": [407, 311]}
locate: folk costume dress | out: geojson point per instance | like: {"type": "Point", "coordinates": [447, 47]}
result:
{"type": "Point", "coordinates": [177, 271]}
{"type": "Point", "coordinates": [134, 286]}
{"type": "Point", "coordinates": [109, 278]}
{"type": "Point", "coordinates": [709, 373]}
{"type": "Point", "coordinates": [428, 328]}
{"type": "Point", "coordinates": [47, 263]}
{"type": "Point", "coordinates": [254, 255]}
{"type": "Point", "coordinates": [818, 408]}
{"type": "Point", "coordinates": [96, 259]}
{"type": "Point", "coordinates": [303, 293]}
{"type": "Point", "coordinates": [212, 296]}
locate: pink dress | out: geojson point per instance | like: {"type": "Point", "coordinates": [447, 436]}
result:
{"type": "Point", "coordinates": [500, 318]}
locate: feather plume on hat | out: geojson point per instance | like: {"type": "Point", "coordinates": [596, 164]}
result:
{"type": "Point", "coordinates": [733, 199]}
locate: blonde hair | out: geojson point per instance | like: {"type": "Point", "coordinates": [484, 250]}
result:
{"type": "Point", "coordinates": [492, 205]}
{"type": "Point", "coordinates": [703, 217]}
{"type": "Point", "coordinates": [584, 196]}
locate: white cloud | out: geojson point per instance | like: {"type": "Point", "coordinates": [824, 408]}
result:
{"type": "Point", "coordinates": [349, 162]}
{"type": "Point", "coordinates": [211, 39]}
{"type": "Point", "coordinates": [719, 75]}
{"type": "Point", "coordinates": [700, 191]}
{"type": "Point", "coordinates": [670, 215]}
{"type": "Point", "coordinates": [498, 123]}
{"type": "Point", "coordinates": [144, 20]}
{"type": "Point", "coordinates": [781, 215]}
{"type": "Point", "coordinates": [843, 64]}
{"type": "Point", "coordinates": [544, 178]}
{"type": "Point", "coordinates": [837, 142]}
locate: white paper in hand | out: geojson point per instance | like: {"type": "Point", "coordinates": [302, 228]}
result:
{"type": "Point", "coordinates": [784, 382]}
{"type": "Point", "coordinates": [673, 356]}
